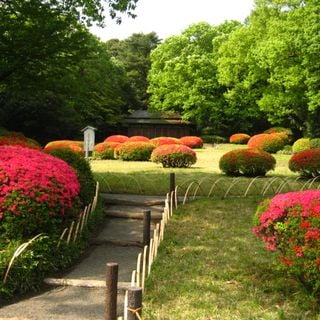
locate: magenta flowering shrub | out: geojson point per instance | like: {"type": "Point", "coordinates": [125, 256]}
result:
{"type": "Point", "coordinates": [174, 156]}
{"type": "Point", "coordinates": [290, 224]}
{"type": "Point", "coordinates": [38, 193]}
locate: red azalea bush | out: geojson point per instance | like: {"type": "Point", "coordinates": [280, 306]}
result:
{"type": "Point", "coordinates": [134, 151]}
{"type": "Point", "coordinates": [290, 224]}
{"type": "Point", "coordinates": [159, 141]}
{"type": "Point", "coordinates": [306, 162]}
{"type": "Point", "coordinates": [247, 162]}
{"type": "Point", "coordinates": [239, 138]}
{"type": "Point", "coordinates": [192, 141]}
{"type": "Point", "coordinates": [76, 146]}
{"type": "Point", "coordinates": [105, 150]}
{"type": "Point", "coordinates": [139, 138]}
{"type": "Point", "coordinates": [174, 156]}
{"type": "Point", "coordinates": [301, 145]}
{"type": "Point", "coordinates": [18, 139]}
{"type": "Point", "coordinates": [270, 142]}
{"type": "Point", "coordinates": [116, 138]}
{"type": "Point", "coordinates": [38, 193]}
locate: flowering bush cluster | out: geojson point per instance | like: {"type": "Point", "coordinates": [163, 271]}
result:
{"type": "Point", "coordinates": [75, 146]}
{"type": "Point", "coordinates": [134, 151]}
{"type": "Point", "coordinates": [306, 162]}
{"type": "Point", "coordinates": [105, 150]}
{"type": "Point", "coordinates": [239, 138]}
{"type": "Point", "coordinates": [116, 138]}
{"type": "Point", "coordinates": [247, 162]}
{"type": "Point", "coordinates": [301, 145]}
{"type": "Point", "coordinates": [272, 142]}
{"type": "Point", "coordinates": [38, 192]}
{"type": "Point", "coordinates": [192, 141]}
{"type": "Point", "coordinates": [290, 223]}
{"type": "Point", "coordinates": [139, 138]}
{"type": "Point", "coordinates": [288, 132]}
{"type": "Point", "coordinates": [11, 139]}
{"type": "Point", "coordinates": [174, 156]}
{"type": "Point", "coordinates": [159, 141]}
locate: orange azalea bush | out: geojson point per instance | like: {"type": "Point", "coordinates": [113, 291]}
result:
{"type": "Point", "coordinates": [270, 142]}
{"type": "Point", "coordinates": [116, 138]}
{"type": "Point", "coordinates": [105, 150]}
{"type": "Point", "coordinates": [192, 141]}
{"type": "Point", "coordinates": [306, 163]}
{"type": "Point", "coordinates": [174, 156]}
{"type": "Point", "coordinates": [134, 151]}
{"type": "Point", "coordinates": [239, 138]}
{"type": "Point", "coordinates": [76, 146]}
{"type": "Point", "coordinates": [247, 162]}
{"type": "Point", "coordinates": [159, 141]}
{"type": "Point", "coordinates": [12, 139]}
{"type": "Point", "coordinates": [139, 138]}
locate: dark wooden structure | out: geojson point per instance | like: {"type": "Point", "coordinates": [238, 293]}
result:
{"type": "Point", "coordinates": [151, 125]}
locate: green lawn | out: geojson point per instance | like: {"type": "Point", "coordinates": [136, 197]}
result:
{"type": "Point", "coordinates": [150, 178]}
{"type": "Point", "coordinates": [211, 266]}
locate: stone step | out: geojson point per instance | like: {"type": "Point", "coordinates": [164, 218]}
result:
{"type": "Point", "coordinates": [132, 212]}
{"type": "Point", "coordinates": [132, 199]}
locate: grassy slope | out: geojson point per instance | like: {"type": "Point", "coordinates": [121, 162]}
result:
{"type": "Point", "coordinates": [210, 266]}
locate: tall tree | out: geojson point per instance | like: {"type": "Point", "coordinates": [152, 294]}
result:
{"type": "Point", "coordinates": [184, 78]}
{"type": "Point", "coordinates": [134, 54]}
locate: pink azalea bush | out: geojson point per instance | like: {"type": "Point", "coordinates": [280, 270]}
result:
{"type": "Point", "coordinates": [290, 224]}
{"type": "Point", "coordinates": [174, 156]}
{"type": "Point", "coordinates": [38, 193]}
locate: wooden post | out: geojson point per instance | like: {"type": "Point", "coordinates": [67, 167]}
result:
{"type": "Point", "coordinates": [146, 227]}
{"type": "Point", "coordinates": [134, 303]}
{"type": "Point", "coordinates": [172, 182]}
{"type": "Point", "coordinates": [111, 291]}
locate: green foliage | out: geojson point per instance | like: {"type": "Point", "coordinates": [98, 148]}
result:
{"type": "Point", "coordinates": [306, 163]}
{"type": "Point", "coordinates": [301, 145]}
{"type": "Point", "coordinates": [105, 150]}
{"type": "Point", "coordinates": [83, 171]}
{"type": "Point", "coordinates": [247, 162]}
{"type": "Point", "coordinates": [174, 156]}
{"type": "Point", "coordinates": [287, 149]}
{"type": "Point", "coordinates": [134, 151]}
{"type": "Point", "coordinates": [133, 54]}
{"type": "Point", "coordinates": [213, 139]}
{"type": "Point", "coordinates": [315, 143]}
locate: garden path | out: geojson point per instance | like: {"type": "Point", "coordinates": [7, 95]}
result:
{"type": "Point", "coordinates": [80, 293]}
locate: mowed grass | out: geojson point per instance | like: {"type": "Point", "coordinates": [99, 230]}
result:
{"type": "Point", "coordinates": [146, 177]}
{"type": "Point", "coordinates": [211, 266]}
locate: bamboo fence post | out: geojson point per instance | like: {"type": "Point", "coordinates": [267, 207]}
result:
{"type": "Point", "coordinates": [111, 291]}
{"type": "Point", "coordinates": [134, 303]}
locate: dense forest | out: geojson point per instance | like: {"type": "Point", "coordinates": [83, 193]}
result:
{"type": "Point", "coordinates": [56, 77]}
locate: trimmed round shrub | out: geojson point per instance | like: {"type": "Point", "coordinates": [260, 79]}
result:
{"type": "Point", "coordinates": [116, 138]}
{"type": "Point", "coordinates": [213, 139]}
{"type": "Point", "coordinates": [105, 150]}
{"type": "Point", "coordinates": [301, 145]}
{"type": "Point", "coordinates": [315, 143]}
{"type": "Point", "coordinates": [38, 193]}
{"type": "Point", "coordinates": [159, 141]}
{"type": "Point", "coordinates": [139, 138]}
{"type": "Point", "coordinates": [192, 142]}
{"type": "Point", "coordinates": [174, 156]}
{"type": "Point", "coordinates": [239, 138]}
{"type": "Point", "coordinates": [306, 163]}
{"type": "Point", "coordinates": [134, 151]}
{"type": "Point", "coordinates": [289, 223]}
{"type": "Point", "coordinates": [83, 171]}
{"type": "Point", "coordinates": [268, 142]}
{"type": "Point", "coordinates": [287, 131]}
{"type": "Point", "coordinates": [247, 162]}
{"type": "Point", "coordinates": [73, 145]}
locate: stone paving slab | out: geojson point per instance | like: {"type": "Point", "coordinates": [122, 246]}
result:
{"type": "Point", "coordinates": [131, 212]}
{"type": "Point", "coordinates": [132, 199]}
{"type": "Point", "coordinates": [61, 303]}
